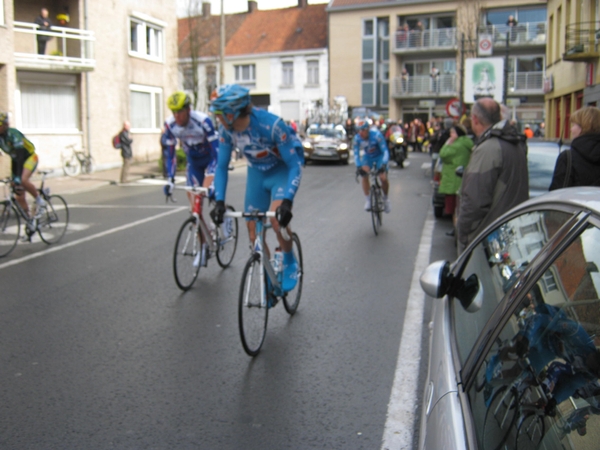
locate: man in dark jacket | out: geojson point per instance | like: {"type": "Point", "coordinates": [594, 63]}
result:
{"type": "Point", "coordinates": [43, 25]}
{"type": "Point", "coordinates": [496, 178]}
{"type": "Point", "coordinates": [126, 152]}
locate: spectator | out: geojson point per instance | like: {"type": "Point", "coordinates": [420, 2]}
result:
{"type": "Point", "coordinates": [63, 19]}
{"type": "Point", "coordinates": [456, 152]}
{"type": "Point", "coordinates": [528, 131]}
{"type": "Point", "coordinates": [402, 35]}
{"type": "Point", "coordinates": [419, 28]}
{"type": "Point", "coordinates": [580, 166]}
{"type": "Point", "coordinates": [405, 80]}
{"type": "Point", "coordinates": [496, 178]}
{"type": "Point", "coordinates": [43, 24]}
{"type": "Point", "coordinates": [126, 152]}
{"type": "Point", "coordinates": [540, 130]}
{"type": "Point", "coordinates": [511, 23]}
{"type": "Point", "coordinates": [349, 126]}
{"type": "Point", "coordinates": [435, 78]}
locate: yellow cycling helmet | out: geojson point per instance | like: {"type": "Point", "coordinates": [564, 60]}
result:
{"type": "Point", "coordinates": [63, 16]}
{"type": "Point", "coordinates": [3, 118]}
{"type": "Point", "coordinates": [178, 100]}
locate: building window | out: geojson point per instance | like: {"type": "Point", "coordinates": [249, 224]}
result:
{"type": "Point", "coordinates": [48, 101]}
{"type": "Point", "coordinates": [245, 75]}
{"type": "Point", "coordinates": [188, 78]}
{"type": "Point", "coordinates": [287, 74]}
{"type": "Point", "coordinates": [375, 62]}
{"type": "Point", "coordinates": [312, 73]}
{"type": "Point", "coordinates": [145, 107]}
{"type": "Point", "coordinates": [146, 37]}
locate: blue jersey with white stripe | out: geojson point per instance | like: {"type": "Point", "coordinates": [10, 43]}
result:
{"type": "Point", "coordinates": [266, 143]}
{"type": "Point", "coordinates": [372, 148]}
{"type": "Point", "coordinates": [198, 138]}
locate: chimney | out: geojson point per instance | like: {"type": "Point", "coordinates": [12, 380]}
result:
{"type": "Point", "coordinates": [302, 3]}
{"type": "Point", "coordinates": [206, 9]}
{"type": "Point", "coordinates": [252, 5]}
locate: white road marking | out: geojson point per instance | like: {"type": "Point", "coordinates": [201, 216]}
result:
{"type": "Point", "coordinates": [402, 407]}
{"type": "Point", "coordinates": [89, 238]}
{"type": "Point", "coordinates": [78, 206]}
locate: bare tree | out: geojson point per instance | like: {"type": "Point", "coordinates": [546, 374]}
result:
{"type": "Point", "coordinates": [190, 74]}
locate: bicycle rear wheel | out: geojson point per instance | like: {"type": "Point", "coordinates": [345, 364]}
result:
{"type": "Point", "coordinates": [53, 223]}
{"type": "Point", "coordinates": [376, 203]}
{"type": "Point", "coordinates": [186, 261]}
{"type": "Point", "coordinates": [227, 237]}
{"type": "Point", "coordinates": [10, 224]}
{"type": "Point", "coordinates": [291, 299]}
{"type": "Point", "coordinates": [499, 418]}
{"type": "Point", "coordinates": [71, 166]}
{"type": "Point", "coordinates": [253, 312]}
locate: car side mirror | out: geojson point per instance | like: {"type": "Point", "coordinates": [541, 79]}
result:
{"type": "Point", "coordinates": [459, 171]}
{"type": "Point", "coordinates": [470, 293]}
{"type": "Point", "coordinates": [435, 279]}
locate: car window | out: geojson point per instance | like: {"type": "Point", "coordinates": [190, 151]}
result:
{"type": "Point", "coordinates": [539, 386]}
{"type": "Point", "coordinates": [494, 265]}
{"type": "Point", "coordinates": [540, 163]}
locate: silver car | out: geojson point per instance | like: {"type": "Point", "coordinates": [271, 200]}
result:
{"type": "Point", "coordinates": [514, 360]}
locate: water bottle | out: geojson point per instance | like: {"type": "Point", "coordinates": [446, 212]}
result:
{"type": "Point", "coordinates": [197, 204]}
{"type": "Point", "coordinates": [278, 260]}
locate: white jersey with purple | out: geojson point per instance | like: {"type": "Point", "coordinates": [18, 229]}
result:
{"type": "Point", "coordinates": [200, 143]}
{"type": "Point", "coordinates": [373, 149]}
{"type": "Point", "coordinates": [270, 148]}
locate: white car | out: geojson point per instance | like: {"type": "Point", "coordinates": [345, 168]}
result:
{"type": "Point", "coordinates": [514, 360]}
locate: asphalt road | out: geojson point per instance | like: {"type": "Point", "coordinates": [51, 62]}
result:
{"type": "Point", "coordinates": [99, 349]}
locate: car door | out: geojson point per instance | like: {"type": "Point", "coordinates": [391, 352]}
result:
{"type": "Point", "coordinates": [482, 278]}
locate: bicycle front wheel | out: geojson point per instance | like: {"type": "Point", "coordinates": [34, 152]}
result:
{"type": "Point", "coordinates": [291, 299]}
{"type": "Point", "coordinates": [530, 431]}
{"type": "Point", "coordinates": [10, 224]}
{"type": "Point", "coordinates": [227, 237]}
{"type": "Point", "coordinates": [53, 223]}
{"type": "Point", "coordinates": [71, 166]}
{"type": "Point", "coordinates": [376, 202]}
{"type": "Point", "coordinates": [252, 310]}
{"type": "Point", "coordinates": [499, 418]}
{"type": "Point", "coordinates": [186, 258]}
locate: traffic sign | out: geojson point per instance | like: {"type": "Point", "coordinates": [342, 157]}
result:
{"type": "Point", "coordinates": [454, 108]}
{"type": "Point", "coordinates": [485, 45]}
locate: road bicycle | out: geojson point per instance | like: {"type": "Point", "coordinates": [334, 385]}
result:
{"type": "Point", "coordinates": [198, 241]}
{"type": "Point", "coordinates": [51, 224]}
{"type": "Point", "coordinates": [261, 285]}
{"type": "Point", "coordinates": [376, 196]}
{"type": "Point", "coordinates": [77, 162]}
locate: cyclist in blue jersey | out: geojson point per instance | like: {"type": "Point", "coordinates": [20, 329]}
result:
{"type": "Point", "coordinates": [371, 148]}
{"type": "Point", "coordinates": [197, 136]}
{"type": "Point", "coordinates": [274, 165]}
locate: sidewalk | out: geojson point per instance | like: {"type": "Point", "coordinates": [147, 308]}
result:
{"type": "Point", "coordinates": [137, 171]}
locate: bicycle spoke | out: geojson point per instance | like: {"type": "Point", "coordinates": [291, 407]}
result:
{"type": "Point", "coordinates": [291, 299]}
{"type": "Point", "coordinates": [227, 237]}
{"type": "Point", "coordinates": [186, 256]}
{"type": "Point", "coordinates": [9, 228]}
{"type": "Point", "coordinates": [53, 223]}
{"type": "Point", "coordinates": [252, 307]}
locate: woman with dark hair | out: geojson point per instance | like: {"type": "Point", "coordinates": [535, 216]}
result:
{"type": "Point", "coordinates": [456, 152]}
{"type": "Point", "coordinates": [580, 166]}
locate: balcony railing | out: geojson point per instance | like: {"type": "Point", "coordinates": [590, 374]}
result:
{"type": "Point", "coordinates": [529, 33]}
{"type": "Point", "coordinates": [441, 38]}
{"type": "Point", "coordinates": [424, 85]}
{"type": "Point", "coordinates": [581, 41]}
{"type": "Point", "coordinates": [526, 83]}
{"type": "Point", "coordinates": [67, 48]}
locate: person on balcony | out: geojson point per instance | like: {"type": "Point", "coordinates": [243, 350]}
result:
{"type": "Point", "coordinates": [435, 79]}
{"type": "Point", "coordinates": [511, 23]}
{"type": "Point", "coordinates": [44, 24]}
{"type": "Point", "coordinates": [405, 80]}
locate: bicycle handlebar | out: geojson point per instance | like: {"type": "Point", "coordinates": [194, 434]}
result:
{"type": "Point", "coordinates": [258, 215]}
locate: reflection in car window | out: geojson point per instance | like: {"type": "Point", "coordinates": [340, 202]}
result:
{"type": "Point", "coordinates": [539, 385]}
{"type": "Point", "coordinates": [496, 262]}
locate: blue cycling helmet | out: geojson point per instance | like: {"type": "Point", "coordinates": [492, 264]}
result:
{"type": "Point", "coordinates": [363, 124]}
{"type": "Point", "coordinates": [230, 99]}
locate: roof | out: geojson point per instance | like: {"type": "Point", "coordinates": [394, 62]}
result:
{"type": "Point", "coordinates": [279, 30]}
{"type": "Point", "coordinates": [355, 4]}
{"type": "Point", "coordinates": [207, 32]}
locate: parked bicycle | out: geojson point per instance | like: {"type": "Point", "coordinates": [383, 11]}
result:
{"type": "Point", "coordinates": [198, 241]}
{"type": "Point", "coordinates": [51, 225]}
{"type": "Point", "coordinates": [77, 162]}
{"type": "Point", "coordinates": [261, 286]}
{"type": "Point", "coordinates": [377, 202]}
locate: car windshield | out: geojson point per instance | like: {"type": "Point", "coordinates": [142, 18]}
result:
{"type": "Point", "coordinates": [541, 160]}
{"type": "Point", "coordinates": [327, 132]}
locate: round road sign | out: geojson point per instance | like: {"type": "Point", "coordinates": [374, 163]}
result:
{"type": "Point", "coordinates": [453, 108]}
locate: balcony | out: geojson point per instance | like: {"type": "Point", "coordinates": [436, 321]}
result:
{"type": "Point", "coordinates": [526, 34]}
{"type": "Point", "coordinates": [526, 83]}
{"type": "Point", "coordinates": [423, 86]}
{"type": "Point", "coordinates": [68, 50]}
{"type": "Point", "coordinates": [581, 42]}
{"type": "Point", "coordinates": [418, 41]}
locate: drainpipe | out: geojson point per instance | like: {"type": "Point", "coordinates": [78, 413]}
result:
{"type": "Point", "coordinates": [87, 88]}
